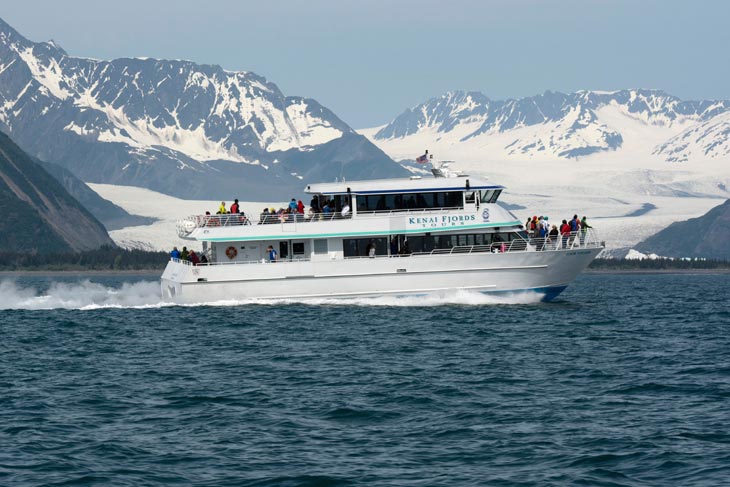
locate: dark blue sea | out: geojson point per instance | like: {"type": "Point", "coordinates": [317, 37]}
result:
{"type": "Point", "coordinates": [624, 380]}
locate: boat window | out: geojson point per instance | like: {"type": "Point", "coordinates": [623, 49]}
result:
{"type": "Point", "coordinates": [409, 201]}
{"type": "Point", "coordinates": [470, 197]}
{"type": "Point", "coordinates": [358, 247]}
{"type": "Point", "coordinates": [283, 250]}
{"type": "Point", "coordinates": [489, 196]}
{"type": "Point", "coordinates": [297, 248]}
{"type": "Point", "coordinates": [320, 246]}
{"type": "Point", "coordinates": [430, 243]}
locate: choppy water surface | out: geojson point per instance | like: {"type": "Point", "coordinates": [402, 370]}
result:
{"type": "Point", "coordinates": [625, 380]}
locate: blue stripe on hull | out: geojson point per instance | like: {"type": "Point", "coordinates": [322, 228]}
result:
{"type": "Point", "coordinates": [549, 293]}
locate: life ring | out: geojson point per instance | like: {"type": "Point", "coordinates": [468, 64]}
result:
{"type": "Point", "coordinates": [231, 252]}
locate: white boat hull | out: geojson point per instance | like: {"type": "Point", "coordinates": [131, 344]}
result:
{"type": "Point", "coordinates": [546, 273]}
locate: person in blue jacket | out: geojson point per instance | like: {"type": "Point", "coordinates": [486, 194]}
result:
{"type": "Point", "coordinates": [271, 253]}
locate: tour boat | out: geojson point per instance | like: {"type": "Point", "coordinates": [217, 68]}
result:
{"type": "Point", "coordinates": [410, 236]}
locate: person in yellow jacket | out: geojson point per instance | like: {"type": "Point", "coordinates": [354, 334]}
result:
{"type": "Point", "coordinates": [222, 209]}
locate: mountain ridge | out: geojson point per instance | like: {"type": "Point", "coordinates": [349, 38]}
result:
{"type": "Point", "coordinates": [139, 121]}
{"type": "Point", "coordinates": [571, 125]}
{"type": "Point", "coordinates": [706, 236]}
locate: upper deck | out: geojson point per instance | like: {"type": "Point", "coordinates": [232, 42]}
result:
{"type": "Point", "coordinates": [415, 184]}
{"type": "Point", "coordinates": [366, 208]}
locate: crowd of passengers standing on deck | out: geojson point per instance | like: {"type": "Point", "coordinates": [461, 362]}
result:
{"type": "Point", "coordinates": [547, 236]}
{"type": "Point", "coordinates": [319, 209]}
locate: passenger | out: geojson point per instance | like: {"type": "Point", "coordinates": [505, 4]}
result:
{"type": "Point", "coordinates": [553, 237]}
{"type": "Point", "coordinates": [584, 226]}
{"type": "Point", "coordinates": [326, 209]}
{"type": "Point", "coordinates": [293, 205]}
{"type": "Point", "coordinates": [405, 250]}
{"type": "Point", "coordinates": [174, 253]}
{"type": "Point", "coordinates": [574, 228]}
{"type": "Point", "coordinates": [346, 210]}
{"type": "Point", "coordinates": [314, 204]}
{"type": "Point", "coordinates": [243, 219]}
{"type": "Point", "coordinates": [194, 258]}
{"type": "Point", "coordinates": [300, 207]}
{"type": "Point", "coordinates": [574, 223]}
{"type": "Point", "coordinates": [263, 216]}
{"type": "Point", "coordinates": [370, 250]}
{"type": "Point", "coordinates": [210, 220]}
{"type": "Point", "coordinates": [222, 209]}
{"type": "Point", "coordinates": [184, 255]}
{"type": "Point", "coordinates": [527, 226]}
{"type": "Point", "coordinates": [234, 207]}
{"type": "Point", "coordinates": [565, 232]}
{"type": "Point", "coordinates": [271, 253]}
{"type": "Point", "coordinates": [542, 232]}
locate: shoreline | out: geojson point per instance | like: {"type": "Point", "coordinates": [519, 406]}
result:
{"type": "Point", "coordinates": [657, 271]}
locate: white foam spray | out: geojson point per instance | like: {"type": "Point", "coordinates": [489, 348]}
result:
{"type": "Point", "coordinates": [87, 295]}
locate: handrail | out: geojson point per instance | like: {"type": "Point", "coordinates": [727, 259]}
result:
{"type": "Point", "coordinates": [579, 239]}
{"type": "Point", "coordinates": [190, 223]}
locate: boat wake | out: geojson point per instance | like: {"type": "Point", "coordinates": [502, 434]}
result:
{"type": "Point", "coordinates": [80, 295]}
{"type": "Point", "coordinates": [87, 295]}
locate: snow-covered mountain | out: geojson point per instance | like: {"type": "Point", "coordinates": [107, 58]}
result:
{"type": "Point", "coordinates": [634, 161]}
{"type": "Point", "coordinates": [559, 125]}
{"type": "Point", "coordinates": [175, 126]}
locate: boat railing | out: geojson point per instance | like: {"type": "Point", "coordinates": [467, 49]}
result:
{"type": "Point", "coordinates": [574, 240]}
{"type": "Point", "coordinates": [190, 223]}
{"type": "Point", "coordinates": [581, 238]}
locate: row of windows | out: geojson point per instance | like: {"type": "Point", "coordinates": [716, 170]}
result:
{"type": "Point", "coordinates": [400, 244]}
{"type": "Point", "coordinates": [384, 202]}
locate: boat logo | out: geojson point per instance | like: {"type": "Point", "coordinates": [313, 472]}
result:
{"type": "Point", "coordinates": [485, 215]}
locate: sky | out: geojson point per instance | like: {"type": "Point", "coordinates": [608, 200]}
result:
{"type": "Point", "coordinates": [369, 60]}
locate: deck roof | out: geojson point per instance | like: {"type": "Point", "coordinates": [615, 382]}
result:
{"type": "Point", "coordinates": [402, 185]}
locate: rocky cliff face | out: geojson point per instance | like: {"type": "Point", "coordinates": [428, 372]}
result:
{"type": "Point", "coordinates": [707, 237]}
{"type": "Point", "coordinates": [38, 214]}
{"type": "Point", "coordinates": [173, 126]}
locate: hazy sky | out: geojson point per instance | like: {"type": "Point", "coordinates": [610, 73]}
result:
{"type": "Point", "coordinates": [368, 60]}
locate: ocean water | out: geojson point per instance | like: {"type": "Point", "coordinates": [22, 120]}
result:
{"type": "Point", "coordinates": [624, 380]}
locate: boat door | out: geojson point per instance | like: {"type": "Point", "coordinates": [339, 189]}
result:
{"type": "Point", "coordinates": [284, 250]}
{"type": "Point", "coordinates": [291, 250]}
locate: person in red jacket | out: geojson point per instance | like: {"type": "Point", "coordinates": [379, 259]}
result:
{"type": "Point", "coordinates": [565, 232]}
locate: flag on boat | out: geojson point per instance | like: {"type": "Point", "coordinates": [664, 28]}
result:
{"type": "Point", "coordinates": [422, 159]}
